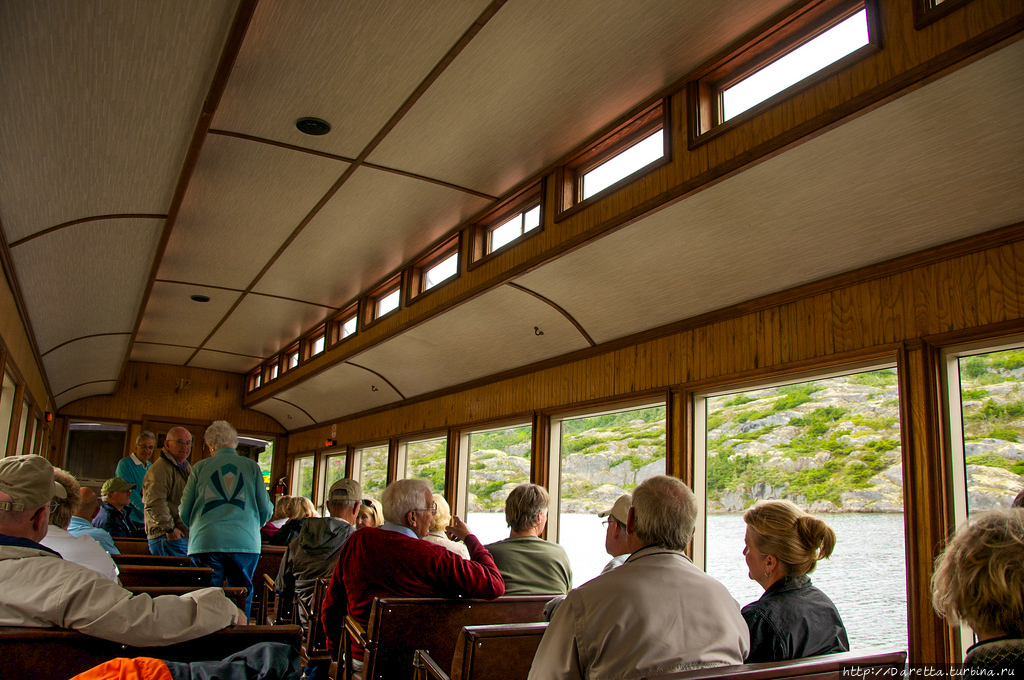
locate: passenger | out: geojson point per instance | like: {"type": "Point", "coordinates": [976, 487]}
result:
{"type": "Point", "coordinates": [793, 619]}
{"type": "Point", "coordinates": [1018, 502]}
{"type": "Point", "coordinates": [442, 518]}
{"type": "Point", "coordinates": [41, 590]}
{"type": "Point", "coordinates": [116, 515]}
{"type": "Point", "coordinates": [657, 613]}
{"type": "Point", "coordinates": [529, 564]}
{"type": "Point", "coordinates": [282, 510]}
{"type": "Point", "coordinates": [393, 561]}
{"type": "Point", "coordinates": [132, 469]}
{"type": "Point", "coordinates": [161, 494]}
{"type": "Point", "coordinates": [81, 524]}
{"type": "Point", "coordinates": [369, 514]}
{"type": "Point", "coordinates": [224, 505]}
{"type": "Point", "coordinates": [314, 554]}
{"type": "Point", "coordinates": [83, 550]}
{"type": "Point", "coordinates": [300, 509]}
{"type": "Point", "coordinates": [979, 580]}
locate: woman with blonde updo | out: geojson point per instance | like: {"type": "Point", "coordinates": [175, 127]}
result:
{"type": "Point", "coordinates": [442, 518]}
{"type": "Point", "coordinates": [793, 619]}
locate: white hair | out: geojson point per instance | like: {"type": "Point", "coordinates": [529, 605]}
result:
{"type": "Point", "coordinates": [403, 496]}
{"type": "Point", "coordinates": [220, 435]}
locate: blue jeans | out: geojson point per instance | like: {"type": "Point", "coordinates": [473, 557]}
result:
{"type": "Point", "coordinates": [168, 548]}
{"type": "Point", "coordinates": [230, 570]}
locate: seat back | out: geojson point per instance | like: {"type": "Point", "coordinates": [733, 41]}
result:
{"type": "Point", "coordinates": [399, 626]}
{"type": "Point", "coordinates": [268, 565]}
{"type": "Point", "coordinates": [132, 546]}
{"type": "Point", "coordinates": [501, 652]}
{"type": "Point", "coordinates": [314, 640]}
{"type": "Point", "coordinates": [866, 663]}
{"type": "Point", "coordinates": [152, 560]}
{"type": "Point", "coordinates": [135, 575]}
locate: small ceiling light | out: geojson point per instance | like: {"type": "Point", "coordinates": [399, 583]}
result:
{"type": "Point", "coordinates": [200, 298]}
{"type": "Point", "coordinates": [313, 126]}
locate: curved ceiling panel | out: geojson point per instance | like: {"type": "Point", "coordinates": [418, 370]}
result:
{"type": "Point", "coordinates": [244, 200]}
{"type": "Point", "coordinates": [290, 417]}
{"type": "Point", "coordinates": [161, 354]}
{"type": "Point", "coordinates": [99, 115]}
{"type": "Point", "coordinates": [375, 222]}
{"type": "Point", "coordinates": [763, 230]}
{"type": "Point", "coordinates": [339, 391]}
{"type": "Point", "coordinates": [223, 361]}
{"type": "Point", "coordinates": [83, 391]}
{"type": "Point", "coordinates": [254, 328]}
{"type": "Point", "coordinates": [86, 279]}
{"type": "Point", "coordinates": [504, 329]}
{"type": "Point", "coordinates": [85, 361]}
{"type": "Point", "coordinates": [172, 317]}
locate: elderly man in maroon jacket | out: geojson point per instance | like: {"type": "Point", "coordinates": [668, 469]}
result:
{"type": "Point", "coordinates": [392, 560]}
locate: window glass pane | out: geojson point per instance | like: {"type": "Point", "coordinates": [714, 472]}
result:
{"type": "Point", "coordinates": [832, 447]}
{"type": "Point", "coordinates": [531, 219]}
{"type": "Point", "coordinates": [992, 406]}
{"type": "Point", "coordinates": [318, 346]}
{"type": "Point", "coordinates": [507, 232]}
{"type": "Point", "coordinates": [444, 269]}
{"type": "Point", "coordinates": [302, 477]}
{"type": "Point", "coordinates": [602, 458]}
{"type": "Point", "coordinates": [426, 460]}
{"type": "Point", "coordinates": [293, 360]}
{"type": "Point", "coordinates": [348, 327]}
{"type": "Point", "coordinates": [642, 153]}
{"type": "Point", "coordinates": [388, 302]}
{"type": "Point", "coordinates": [273, 372]}
{"type": "Point", "coordinates": [21, 427]}
{"type": "Point", "coordinates": [94, 450]}
{"type": "Point", "coordinates": [259, 449]}
{"type": "Point", "coordinates": [499, 460]}
{"type": "Point", "coordinates": [373, 470]}
{"type": "Point", "coordinates": [814, 55]}
{"type": "Point", "coordinates": [6, 409]}
{"type": "Point", "coordinates": [335, 470]}
{"type": "Point", "coordinates": [257, 380]}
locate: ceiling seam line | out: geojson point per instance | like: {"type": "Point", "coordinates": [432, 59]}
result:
{"type": "Point", "coordinates": [96, 218]}
{"type": "Point", "coordinates": [402, 396]}
{"type": "Point", "coordinates": [567, 315]}
{"type": "Point", "coordinates": [83, 337]}
{"type": "Point", "coordinates": [308, 415]}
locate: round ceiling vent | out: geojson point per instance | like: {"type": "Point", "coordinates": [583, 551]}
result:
{"type": "Point", "coordinates": [200, 298]}
{"type": "Point", "coordinates": [313, 126]}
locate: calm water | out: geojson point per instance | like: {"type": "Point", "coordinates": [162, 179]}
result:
{"type": "Point", "coordinates": [865, 577]}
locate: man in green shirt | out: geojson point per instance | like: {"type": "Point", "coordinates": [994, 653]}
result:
{"type": "Point", "coordinates": [529, 564]}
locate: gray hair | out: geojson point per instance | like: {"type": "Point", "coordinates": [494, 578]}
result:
{"type": "Point", "coordinates": [664, 512]}
{"type": "Point", "coordinates": [220, 435]}
{"type": "Point", "coordinates": [145, 434]}
{"type": "Point", "coordinates": [523, 506]}
{"type": "Point", "coordinates": [66, 507]}
{"type": "Point", "coordinates": [401, 497]}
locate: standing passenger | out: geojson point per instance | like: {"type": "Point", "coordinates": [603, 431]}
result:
{"type": "Point", "coordinates": [529, 564]}
{"type": "Point", "coordinates": [132, 469]}
{"type": "Point", "coordinates": [224, 505]}
{"type": "Point", "coordinates": [161, 493]}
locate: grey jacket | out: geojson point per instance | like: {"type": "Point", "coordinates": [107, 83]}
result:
{"type": "Point", "coordinates": [310, 556]}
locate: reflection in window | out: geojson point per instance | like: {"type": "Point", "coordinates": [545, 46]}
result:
{"type": "Point", "coordinates": [373, 470]}
{"type": "Point", "coordinates": [833, 447]}
{"type": "Point", "coordinates": [427, 460]}
{"type": "Point", "coordinates": [992, 417]}
{"type": "Point", "coordinates": [602, 457]}
{"type": "Point", "coordinates": [644, 152]}
{"type": "Point", "coordinates": [499, 460]}
{"type": "Point", "coordinates": [302, 477]}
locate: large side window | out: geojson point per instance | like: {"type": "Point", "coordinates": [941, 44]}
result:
{"type": "Point", "coordinates": [832, 446]}
{"type": "Point", "coordinates": [373, 469]}
{"type": "Point", "coordinates": [261, 450]}
{"type": "Point", "coordinates": [498, 461]}
{"type": "Point", "coordinates": [94, 450]}
{"type": "Point", "coordinates": [425, 459]}
{"type": "Point", "coordinates": [600, 457]}
{"type": "Point", "coordinates": [302, 476]}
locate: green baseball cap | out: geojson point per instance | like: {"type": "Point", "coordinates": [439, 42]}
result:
{"type": "Point", "coordinates": [115, 484]}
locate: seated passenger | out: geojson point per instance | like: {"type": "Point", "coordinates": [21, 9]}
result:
{"type": "Point", "coordinates": [81, 521]}
{"type": "Point", "coordinates": [83, 550]}
{"type": "Point", "coordinates": [393, 561]}
{"type": "Point", "coordinates": [442, 518]}
{"type": "Point", "coordinates": [793, 619]}
{"type": "Point", "coordinates": [657, 613]}
{"type": "Point", "coordinates": [979, 579]}
{"type": "Point", "coordinates": [300, 509]}
{"type": "Point", "coordinates": [282, 512]}
{"type": "Point", "coordinates": [41, 590]}
{"type": "Point", "coordinates": [369, 514]}
{"type": "Point", "coordinates": [529, 564]}
{"type": "Point", "coordinates": [116, 515]}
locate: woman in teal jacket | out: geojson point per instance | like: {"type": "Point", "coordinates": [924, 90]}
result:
{"type": "Point", "coordinates": [224, 505]}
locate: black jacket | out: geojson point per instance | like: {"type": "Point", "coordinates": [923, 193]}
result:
{"type": "Point", "coordinates": [793, 619]}
{"type": "Point", "coordinates": [118, 523]}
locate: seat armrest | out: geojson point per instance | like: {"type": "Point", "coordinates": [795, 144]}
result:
{"type": "Point", "coordinates": [425, 668]}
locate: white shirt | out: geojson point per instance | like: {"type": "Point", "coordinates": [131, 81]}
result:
{"type": "Point", "coordinates": [83, 550]}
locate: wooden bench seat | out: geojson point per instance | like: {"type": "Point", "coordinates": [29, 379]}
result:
{"type": "Point", "coordinates": [152, 560]}
{"type": "Point", "coordinates": [883, 663]}
{"type": "Point", "coordinates": [400, 626]}
{"type": "Point", "coordinates": [147, 575]}
{"type": "Point", "coordinates": [58, 653]}
{"type": "Point", "coordinates": [496, 652]}
{"type": "Point", "coordinates": [132, 546]}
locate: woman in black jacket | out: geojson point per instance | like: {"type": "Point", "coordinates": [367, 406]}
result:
{"type": "Point", "coordinates": [793, 619]}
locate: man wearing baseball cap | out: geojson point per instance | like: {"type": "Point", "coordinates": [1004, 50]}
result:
{"type": "Point", "coordinates": [42, 590]}
{"type": "Point", "coordinates": [116, 514]}
{"type": "Point", "coordinates": [615, 541]}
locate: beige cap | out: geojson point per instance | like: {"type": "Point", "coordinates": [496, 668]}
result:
{"type": "Point", "coordinates": [345, 490]}
{"type": "Point", "coordinates": [115, 484]}
{"type": "Point", "coordinates": [28, 480]}
{"type": "Point", "coordinates": [620, 511]}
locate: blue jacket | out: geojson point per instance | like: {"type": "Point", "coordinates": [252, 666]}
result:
{"type": "Point", "coordinates": [792, 620]}
{"type": "Point", "coordinates": [224, 504]}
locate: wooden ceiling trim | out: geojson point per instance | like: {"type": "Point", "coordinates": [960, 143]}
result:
{"type": "Point", "coordinates": [233, 45]}
{"type": "Point", "coordinates": [561, 311]}
{"type": "Point", "coordinates": [390, 384]}
{"type": "Point", "coordinates": [470, 33]}
{"type": "Point", "coordinates": [83, 384]}
{"type": "Point", "coordinates": [82, 337]}
{"type": "Point", "coordinates": [94, 218]}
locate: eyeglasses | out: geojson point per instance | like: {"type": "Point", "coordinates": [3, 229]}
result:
{"type": "Point", "coordinates": [368, 501]}
{"type": "Point", "coordinates": [52, 507]}
{"type": "Point", "coordinates": [432, 509]}
{"type": "Point", "coordinates": [608, 522]}
{"type": "Point", "coordinates": [183, 442]}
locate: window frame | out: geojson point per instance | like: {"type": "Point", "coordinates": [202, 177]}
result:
{"type": "Point", "coordinates": [287, 354]}
{"type": "Point", "coordinates": [309, 341]}
{"type": "Point", "coordinates": [418, 271]}
{"type": "Point", "coordinates": [374, 297]}
{"type": "Point", "coordinates": [464, 435]}
{"type": "Point", "coordinates": [640, 126]}
{"type": "Point", "coordinates": [928, 11]}
{"type": "Point", "coordinates": [762, 47]}
{"type": "Point", "coordinates": [255, 379]}
{"type": "Point", "coordinates": [337, 325]}
{"type": "Point", "coordinates": [480, 232]}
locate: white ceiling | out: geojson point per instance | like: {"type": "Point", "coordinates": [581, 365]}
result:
{"type": "Point", "coordinates": [101, 98]}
